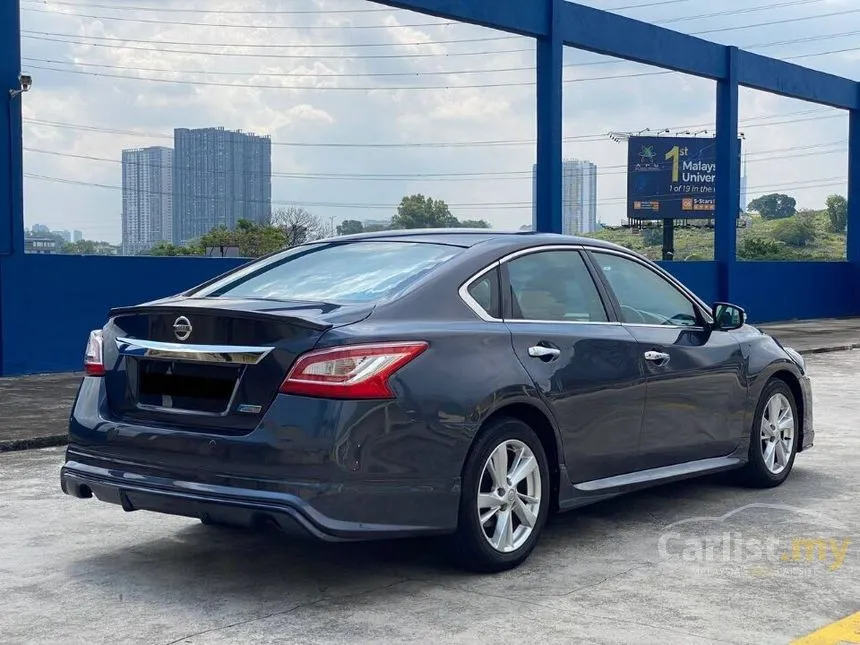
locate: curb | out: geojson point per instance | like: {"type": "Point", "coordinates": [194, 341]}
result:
{"type": "Point", "coordinates": [831, 348]}
{"type": "Point", "coordinates": [10, 445]}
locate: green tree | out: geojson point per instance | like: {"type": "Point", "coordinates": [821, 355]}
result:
{"type": "Point", "coordinates": [253, 240]}
{"type": "Point", "coordinates": [652, 237]}
{"type": "Point", "coordinates": [350, 227]}
{"type": "Point", "coordinates": [797, 231]}
{"type": "Point", "coordinates": [837, 210]}
{"type": "Point", "coordinates": [774, 206]}
{"type": "Point", "coordinates": [166, 248]}
{"type": "Point", "coordinates": [474, 223]}
{"type": "Point", "coordinates": [757, 248]}
{"type": "Point", "coordinates": [81, 247]}
{"type": "Point", "coordinates": [418, 211]}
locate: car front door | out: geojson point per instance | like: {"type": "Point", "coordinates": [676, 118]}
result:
{"type": "Point", "coordinates": [585, 365]}
{"type": "Point", "coordinates": [696, 389]}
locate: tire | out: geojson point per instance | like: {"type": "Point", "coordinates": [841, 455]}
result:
{"type": "Point", "coordinates": [758, 473]}
{"type": "Point", "coordinates": [471, 545]}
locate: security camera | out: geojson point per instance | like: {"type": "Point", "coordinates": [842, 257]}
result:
{"type": "Point", "coordinates": [26, 82]}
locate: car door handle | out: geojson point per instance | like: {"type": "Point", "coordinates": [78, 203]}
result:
{"type": "Point", "coordinates": [661, 358]}
{"type": "Point", "coordinates": [541, 351]}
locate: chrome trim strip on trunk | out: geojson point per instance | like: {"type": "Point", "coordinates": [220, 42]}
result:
{"type": "Point", "coordinates": [224, 354]}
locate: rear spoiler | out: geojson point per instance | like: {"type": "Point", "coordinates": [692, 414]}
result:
{"type": "Point", "coordinates": [305, 322]}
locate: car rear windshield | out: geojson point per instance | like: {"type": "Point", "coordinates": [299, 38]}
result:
{"type": "Point", "coordinates": [351, 272]}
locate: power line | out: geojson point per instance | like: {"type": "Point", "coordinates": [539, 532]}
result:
{"type": "Point", "coordinates": [783, 21]}
{"type": "Point", "coordinates": [282, 74]}
{"type": "Point", "coordinates": [418, 43]}
{"type": "Point", "coordinates": [150, 50]}
{"type": "Point", "coordinates": [807, 184]}
{"type": "Point", "coordinates": [466, 206]}
{"type": "Point", "coordinates": [174, 22]}
{"type": "Point", "coordinates": [735, 12]}
{"type": "Point", "coordinates": [454, 72]}
{"type": "Point", "coordinates": [340, 88]}
{"type": "Point", "coordinates": [362, 88]}
{"type": "Point", "coordinates": [225, 25]}
{"type": "Point", "coordinates": [222, 11]}
{"type": "Point", "coordinates": [280, 11]}
{"type": "Point", "coordinates": [752, 122]}
{"type": "Point", "coordinates": [615, 169]}
{"type": "Point", "coordinates": [74, 39]}
{"type": "Point", "coordinates": [648, 4]}
{"type": "Point", "coordinates": [357, 75]}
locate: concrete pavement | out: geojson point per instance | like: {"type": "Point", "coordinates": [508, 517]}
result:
{"type": "Point", "coordinates": [624, 571]}
{"type": "Point", "coordinates": [34, 409]}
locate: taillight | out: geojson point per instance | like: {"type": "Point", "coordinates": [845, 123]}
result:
{"type": "Point", "coordinates": [350, 372]}
{"type": "Point", "coordinates": [94, 362]}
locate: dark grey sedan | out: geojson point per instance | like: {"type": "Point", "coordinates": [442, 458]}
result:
{"type": "Point", "coordinates": [407, 383]}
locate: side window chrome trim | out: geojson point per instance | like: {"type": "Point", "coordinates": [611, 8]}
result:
{"type": "Point", "coordinates": [467, 298]}
{"type": "Point", "coordinates": [479, 311]}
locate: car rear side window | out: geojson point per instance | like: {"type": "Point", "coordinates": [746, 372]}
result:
{"type": "Point", "coordinates": [554, 286]}
{"type": "Point", "coordinates": [485, 292]}
{"type": "Point", "coordinates": [351, 272]}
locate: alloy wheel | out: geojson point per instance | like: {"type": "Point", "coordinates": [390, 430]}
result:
{"type": "Point", "coordinates": [777, 433]}
{"type": "Point", "coordinates": [509, 496]}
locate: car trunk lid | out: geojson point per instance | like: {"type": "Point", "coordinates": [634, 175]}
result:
{"type": "Point", "coordinates": [209, 364]}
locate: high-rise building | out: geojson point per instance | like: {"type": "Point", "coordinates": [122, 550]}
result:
{"type": "Point", "coordinates": [578, 200]}
{"type": "Point", "coordinates": [77, 236]}
{"type": "Point", "coordinates": [147, 198]}
{"type": "Point", "coordinates": [219, 177]}
{"type": "Point", "coordinates": [66, 235]}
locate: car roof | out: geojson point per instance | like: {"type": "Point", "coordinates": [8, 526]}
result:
{"type": "Point", "coordinates": [468, 237]}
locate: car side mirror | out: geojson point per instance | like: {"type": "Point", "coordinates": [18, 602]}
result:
{"type": "Point", "coordinates": [728, 316]}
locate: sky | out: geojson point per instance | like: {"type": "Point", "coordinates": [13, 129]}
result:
{"type": "Point", "coordinates": [365, 104]}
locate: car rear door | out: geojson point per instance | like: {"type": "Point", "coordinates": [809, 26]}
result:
{"type": "Point", "coordinates": [695, 375]}
{"type": "Point", "coordinates": [585, 365]}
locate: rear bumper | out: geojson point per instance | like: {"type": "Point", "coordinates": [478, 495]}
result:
{"type": "Point", "coordinates": [237, 506]}
{"type": "Point", "coordinates": [330, 470]}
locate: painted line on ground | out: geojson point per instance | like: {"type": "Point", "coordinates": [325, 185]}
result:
{"type": "Point", "coordinates": [842, 631]}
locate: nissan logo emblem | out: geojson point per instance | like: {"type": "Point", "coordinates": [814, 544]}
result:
{"type": "Point", "coordinates": [182, 328]}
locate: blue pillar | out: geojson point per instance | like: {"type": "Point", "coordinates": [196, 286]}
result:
{"type": "Point", "coordinates": [547, 185]}
{"type": "Point", "coordinates": [11, 210]}
{"type": "Point", "coordinates": [728, 184]}
{"type": "Point", "coordinates": [11, 215]}
{"type": "Point", "coordinates": [853, 251]}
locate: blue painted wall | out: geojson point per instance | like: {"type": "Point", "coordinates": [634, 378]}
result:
{"type": "Point", "coordinates": [49, 303]}
{"type": "Point", "coordinates": [700, 277]}
{"type": "Point", "coordinates": [777, 291]}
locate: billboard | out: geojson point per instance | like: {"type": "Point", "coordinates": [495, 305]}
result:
{"type": "Point", "coordinates": [671, 178]}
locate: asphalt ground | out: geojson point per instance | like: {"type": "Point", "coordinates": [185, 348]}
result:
{"type": "Point", "coordinates": [701, 561]}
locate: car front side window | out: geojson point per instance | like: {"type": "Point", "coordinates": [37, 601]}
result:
{"type": "Point", "coordinates": [644, 296]}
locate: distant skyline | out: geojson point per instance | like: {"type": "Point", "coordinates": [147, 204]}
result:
{"type": "Point", "coordinates": [364, 108]}
{"type": "Point", "coordinates": [578, 197]}
{"type": "Point", "coordinates": [147, 198]}
{"type": "Point", "coordinates": [220, 176]}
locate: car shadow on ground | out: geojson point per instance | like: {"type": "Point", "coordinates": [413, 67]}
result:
{"type": "Point", "coordinates": [226, 561]}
